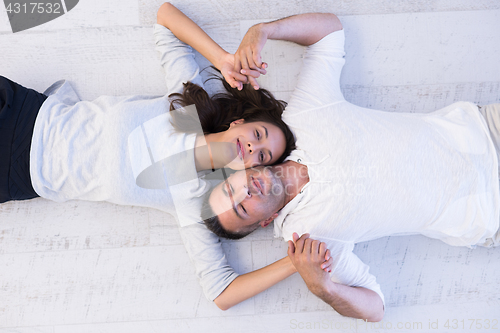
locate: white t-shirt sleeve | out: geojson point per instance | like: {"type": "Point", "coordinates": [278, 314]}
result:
{"type": "Point", "coordinates": [349, 270]}
{"type": "Point", "coordinates": [177, 59]}
{"type": "Point", "coordinates": [319, 79]}
{"type": "Point", "coordinates": [203, 247]}
{"type": "Point", "coordinates": [205, 251]}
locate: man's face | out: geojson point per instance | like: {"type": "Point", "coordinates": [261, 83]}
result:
{"type": "Point", "coordinates": [248, 198]}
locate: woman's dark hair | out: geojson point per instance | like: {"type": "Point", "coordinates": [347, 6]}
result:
{"type": "Point", "coordinates": [217, 112]}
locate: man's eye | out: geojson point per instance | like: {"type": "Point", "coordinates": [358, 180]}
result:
{"type": "Point", "coordinates": [243, 208]}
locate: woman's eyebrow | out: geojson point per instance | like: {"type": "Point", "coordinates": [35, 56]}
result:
{"type": "Point", "coordinates": [270, 156]}
{"type": "Point", "coordinates": [265, 130]}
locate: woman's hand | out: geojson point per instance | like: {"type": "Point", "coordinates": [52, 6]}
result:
{"type": "Point", "coordinates": [233, 77]}
{"type": "Point", "coordinates": [328, 263]}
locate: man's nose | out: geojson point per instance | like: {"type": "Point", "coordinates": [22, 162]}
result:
{"type": "Point", "coordinates": [241, 194]}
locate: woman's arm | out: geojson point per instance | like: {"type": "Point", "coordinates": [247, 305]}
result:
{"type": "Point", "coordinates": [253, 283]}
{"type": "Point", "coordinates": [190, 33]}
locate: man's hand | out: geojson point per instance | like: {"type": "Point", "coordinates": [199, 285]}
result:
{"type": "Point", "coordinates": [247, 58]}
{"type": "Point", "coordinates": [308, 255]}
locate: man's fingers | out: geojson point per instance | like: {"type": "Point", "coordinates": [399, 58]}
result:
{"type": "Point", "coordinates": [305, 236]}
{"type": "Point", "coordinates": [299, 244]}
{"type": "Point", "coordinates": [291, 248]}
{"type": "Point", "coordinates": [250, 57]}
{"type": "Point", "coordinates": [295, 237]}
{"type": "Point", "coordinates": [237, 63]}
{"type": "Point", "coordinates": [307, 246]}
{"type": "Point", "coordinates": [244, 63]}
{"type": "Point", "coordinates": [323, 250]}
{"type": "Point", "coordinates": [257, 60]}
{"type": "Point", "coordinates": [315, 247]}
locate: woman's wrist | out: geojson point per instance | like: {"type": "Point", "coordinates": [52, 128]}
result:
{"type": "Point", "coordinates": [221, 58]}
{"type": "Point", "coordinates": [290, 267]}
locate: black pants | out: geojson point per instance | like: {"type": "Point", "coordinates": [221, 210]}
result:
{"type": "Point", "coordinates": [18, 110]}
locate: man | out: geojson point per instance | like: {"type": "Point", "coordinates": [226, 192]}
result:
{"type": "Point", "coordinates": [360, 174]}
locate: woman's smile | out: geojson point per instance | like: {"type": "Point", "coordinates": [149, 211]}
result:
{"type": "Point", "coordinates": [241, 152]}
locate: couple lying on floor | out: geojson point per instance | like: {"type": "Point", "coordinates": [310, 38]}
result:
{"type": "Point", "coordinates": [327, 172]}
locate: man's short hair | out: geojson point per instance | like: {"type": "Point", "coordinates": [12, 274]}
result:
{"type": "Point", "coordinates": [212, 222]}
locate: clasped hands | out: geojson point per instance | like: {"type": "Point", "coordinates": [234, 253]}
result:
{"type": "Point", "coordinates": [246, 65]}
{"type": "Point", "coordinates": [312, 260]}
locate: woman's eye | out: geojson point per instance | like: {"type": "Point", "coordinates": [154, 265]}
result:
{"type": "Point", "coordinates": [257, 134]}
{"type": "Point", "coordinates": [261, 156]}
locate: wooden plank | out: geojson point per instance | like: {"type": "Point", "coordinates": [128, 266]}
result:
{"type": "Point", "coordinates": [227, 11]}
{"type": "Point", "coordinates": [402, 73]}
{"type": "Point", "coordinates": [86, 14]}
{"type": "Point", "coordinates": [430, 318]}
{"type": "Point", "coordinates": [421, 48]}
{"type": "Point", "coordinates": [106, 61]}
{"type": "Point", "coordinates": [41, 226]}
{"type": "Point", "coordinates": [421, 271]}
{"type": "Point", "coordinates": [80, 267]}
{"type": "Point", "coordinates": [89, 286]}
{"type": "Point", "coordinates": [421, 98]}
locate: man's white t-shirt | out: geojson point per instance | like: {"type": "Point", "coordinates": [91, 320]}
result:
{"type": "Point", "coordinates": [374, 173]}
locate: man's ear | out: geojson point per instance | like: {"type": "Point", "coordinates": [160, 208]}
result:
{"type": "Point", "coordinates": [266, 222]}
{"type": "Point", "coordinates": [237, 122]}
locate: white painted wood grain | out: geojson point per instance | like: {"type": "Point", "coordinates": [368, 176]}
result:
{"type": "Point", "coordinates": [422, 48]}
{"type": "Point", "coordinates": [97, 61]}
{"type": "Point", "coordinates": [97, 267]}
{"type": "Point", "coordinates": [414, 318]}
{"type": "Point", "coordinates": [112, 285]}
{"type": "Point", "coordinates": [86, 14]}
{"type": "Point", "coordinates": [229, 11]}
{"type": "Point", "coordinates": [41, 226]}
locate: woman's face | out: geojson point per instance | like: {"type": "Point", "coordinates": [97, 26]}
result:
{"type": "Point", "coordinates": [256, 143]}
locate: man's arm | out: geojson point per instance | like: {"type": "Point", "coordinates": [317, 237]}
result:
{"type": "Point", "coordinates": [190, 33]}
{"type": "Point", "coordinates": [356, 302]}
{"type": "Point", "coordinates": [303, 29]}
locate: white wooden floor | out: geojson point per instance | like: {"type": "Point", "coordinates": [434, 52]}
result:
{"type": "Point", "coordinates": [96, 267]}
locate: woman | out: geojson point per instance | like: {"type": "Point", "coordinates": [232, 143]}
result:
{"type": "Point", "coordinates": [87, 154]}
{"type": "Point", "coordinates": [61, 148]}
